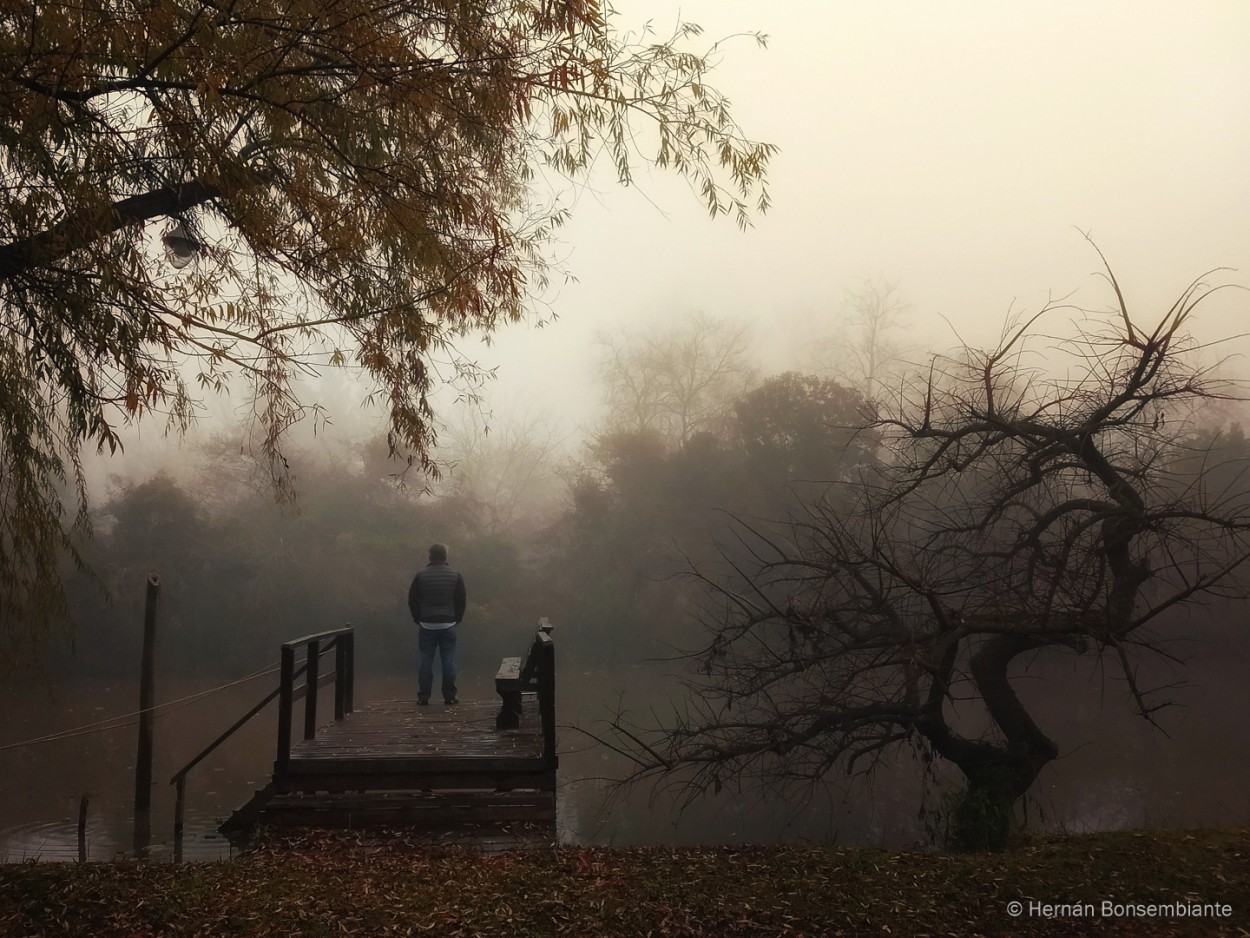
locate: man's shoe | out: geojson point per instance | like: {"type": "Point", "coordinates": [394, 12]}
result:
{"type": "Point", "coordinates": [451, 700]}
{"type": "Point", "coordinates": [423, 701]}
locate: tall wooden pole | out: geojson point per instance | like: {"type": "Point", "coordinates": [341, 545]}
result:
{"type": "Point", "coordinates": [147, 694]}
{"type": "Point", "coordinates": [82, 829]}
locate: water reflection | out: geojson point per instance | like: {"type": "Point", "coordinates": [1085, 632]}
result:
{"type": "Point", "coordinates": [58, 842]}
{"type": "Point", "coordinates": [45, 784]}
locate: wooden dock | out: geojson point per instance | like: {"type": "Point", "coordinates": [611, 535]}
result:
{"type": "Point", "coordinates": [398, 745]}
{"type": "Point", "coordinates": [481, 773]}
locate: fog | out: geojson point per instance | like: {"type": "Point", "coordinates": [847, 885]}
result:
{"type": "Point", "coordinates": [959, 153]}
{"type": "Point", "coordinates": [956, 151]}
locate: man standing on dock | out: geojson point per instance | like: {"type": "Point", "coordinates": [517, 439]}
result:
{"type": "Point", "coordinates": [437, 600]}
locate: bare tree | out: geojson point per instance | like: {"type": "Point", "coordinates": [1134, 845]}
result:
{"type": "Point", "coordinates": [679, 382]}
{"type": "Point", "coordinates": [505, 466]}
{"type": "Point", "coordinates": [867, 349]}
{"type": "Point", "coordinates": [1018, 511]}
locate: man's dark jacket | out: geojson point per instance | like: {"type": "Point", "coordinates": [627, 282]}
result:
{"type": "Point", "coordinates": [437, 594]}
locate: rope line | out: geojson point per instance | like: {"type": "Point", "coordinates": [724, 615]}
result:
{"type": "Point", "coordinates": [131, 719]}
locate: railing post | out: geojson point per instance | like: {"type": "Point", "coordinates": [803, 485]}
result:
{"type": "Point", "coordinates": [340, 675]}
{"type": "Point", "coordinates": [310, 689]}
{"type": "Point", "coordinates": [286, 699]}
{"type": "Point", "coordinates": [350, 683]}
{"type": "Point", "coordinates": [547, 698]}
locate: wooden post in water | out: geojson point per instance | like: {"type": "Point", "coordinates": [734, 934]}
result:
{"type": "Point", "coordinates": [147, 694]}
{"type": "Point", "coordinates": [180, 807]}
{"type": "Point", "coordinates": [82, 829]}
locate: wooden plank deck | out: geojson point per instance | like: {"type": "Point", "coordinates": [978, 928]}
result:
{"type": "Point", "coordinates": [398, 745]}
{"type": "Point", "coordinates": [399, 729]}
{"type": "Point", "coordinates": [445, 771]}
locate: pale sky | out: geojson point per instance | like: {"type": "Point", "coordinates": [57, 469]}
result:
{"type": "Point", "coordinates": [954, 148]}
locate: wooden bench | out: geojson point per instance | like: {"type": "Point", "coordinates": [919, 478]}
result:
{"type": "Point", "coordinates": [517, 676]}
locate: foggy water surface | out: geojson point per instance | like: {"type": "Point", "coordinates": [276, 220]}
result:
{"type": "Point", "coordinates": [1114, 773]}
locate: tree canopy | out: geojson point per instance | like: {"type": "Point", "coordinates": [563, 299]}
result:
{"type": "Point", "coordinates": [358, 175]}
{"type": "Point", "coordinates": [801, 428]}
{"type": "Point", "coordinates": [645, 507]}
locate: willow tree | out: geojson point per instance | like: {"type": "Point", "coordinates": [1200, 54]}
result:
{"type": "Point", "coordinates": [357, 176]}
{"type": "Point", "coordinates": [1025, 506]}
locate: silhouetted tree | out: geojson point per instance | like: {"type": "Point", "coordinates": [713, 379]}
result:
{"type": "Point", "coordinates": [644, 509]}
{"type": "Point", "coordinates": [611, 555]}
{"type": "Point", "coordinates": [505, 467]}
{"type": "Point", "coordinates": [1016, 512]}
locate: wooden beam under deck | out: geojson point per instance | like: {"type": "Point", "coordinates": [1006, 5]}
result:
{"type": "Point", "coordinates": [427, 811]}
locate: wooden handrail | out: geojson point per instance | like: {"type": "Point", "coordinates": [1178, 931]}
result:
{"type": "Point", "coordinates": [545, 649]}
{"type": "Point", "coordinates": [318, 636]}
{"type": "Point", "coordinates": [342, 640]}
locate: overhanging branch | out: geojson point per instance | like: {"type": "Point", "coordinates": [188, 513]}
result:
{"type": "Point", "coordinates": [77, 230]}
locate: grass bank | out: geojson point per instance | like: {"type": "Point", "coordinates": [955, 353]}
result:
{"type": "Point", "coordinates": [322, 884]}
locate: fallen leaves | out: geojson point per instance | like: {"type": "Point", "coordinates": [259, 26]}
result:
{"type": "Point", "coordinates": [392, 884]}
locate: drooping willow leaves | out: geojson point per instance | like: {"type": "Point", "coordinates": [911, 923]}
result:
{"type": "Point", "coordinates": [359, 175]}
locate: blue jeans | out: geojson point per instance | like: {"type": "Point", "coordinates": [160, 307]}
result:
{"type": "Point", "coordinates": [444, 642]}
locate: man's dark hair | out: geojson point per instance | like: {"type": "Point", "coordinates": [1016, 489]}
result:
{"type": "Point", "coordinates": [438, 553]}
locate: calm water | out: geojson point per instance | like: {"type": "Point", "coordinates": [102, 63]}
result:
{"type": "Point", "coordinates": [44, 783]}
{"type": "Point", "coordinates": [1115, 773]}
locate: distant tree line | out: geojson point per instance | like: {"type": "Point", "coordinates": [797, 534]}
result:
{"type": "Point", "coordinates": [241, 573]}
{"type": "Point", "coordinates": [605, 558]}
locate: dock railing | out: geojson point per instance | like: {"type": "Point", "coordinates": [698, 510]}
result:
{"type": "Point", "coordinates": [314, 646]}
{"type": "Point", "coordinates": [342, 641]}
{"type": "Point", "coordinates": [534, 672]}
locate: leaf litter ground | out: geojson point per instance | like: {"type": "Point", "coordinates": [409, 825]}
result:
{"type": "Point", "coordinates": [322, 883]}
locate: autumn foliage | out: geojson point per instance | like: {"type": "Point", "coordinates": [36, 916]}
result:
{"type": "Point", "coordinates": [358, 176]}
